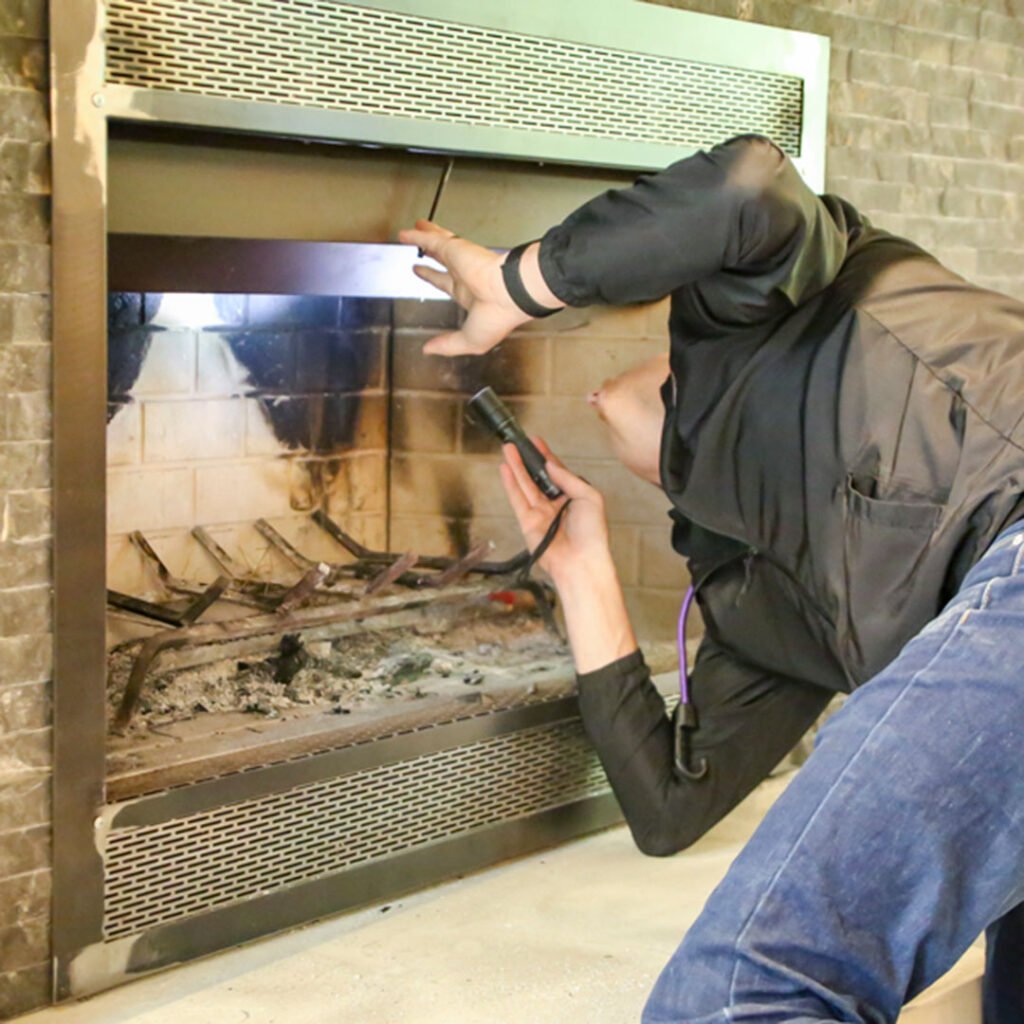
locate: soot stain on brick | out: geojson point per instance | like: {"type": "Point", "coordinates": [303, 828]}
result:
{"type": "Point", "coordinates": [127, 345]}
{"type": "Point", "coordinates": [308, 359]}
{"type": "Point", "coordinates": [456, 505]}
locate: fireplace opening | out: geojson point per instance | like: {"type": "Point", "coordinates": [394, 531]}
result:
{"type": "Point", "coordinates": [307, 543]}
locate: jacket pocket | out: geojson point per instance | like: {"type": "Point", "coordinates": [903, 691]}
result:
{"type": "Point", "coordinates": [889, 590]}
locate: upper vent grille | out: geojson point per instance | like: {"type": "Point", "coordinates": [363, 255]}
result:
{"type": "Point", "coordinates": [360, 60]}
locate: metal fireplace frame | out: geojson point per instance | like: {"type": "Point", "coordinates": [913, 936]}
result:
{"type": "Point", "coordinates": [83, 102]}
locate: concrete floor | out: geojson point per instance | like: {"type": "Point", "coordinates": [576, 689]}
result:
{"type": "Point", "coordinates": [575, 934]}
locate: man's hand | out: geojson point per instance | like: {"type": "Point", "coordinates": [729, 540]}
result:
{"type": "Point", "coordinates": [579, 558]}
{"type": "Point", "coordinates": [582, 539]}
{"type": "Point", "coordinates": [472, 277]}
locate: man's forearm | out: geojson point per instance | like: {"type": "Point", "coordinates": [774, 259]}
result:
{"type": "Point", "coordinates": [595, 613]}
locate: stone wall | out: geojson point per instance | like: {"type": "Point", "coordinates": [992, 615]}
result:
{"type": "Point", "coordinates": [925, 119]}
{"type": "Point", "coordinates": [25, 574]}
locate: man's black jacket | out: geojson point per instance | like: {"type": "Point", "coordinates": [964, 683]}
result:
{"type": "Point", "coordinates": [843, 440]}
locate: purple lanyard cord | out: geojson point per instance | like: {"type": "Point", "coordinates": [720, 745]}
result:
{"type": "Point", "coordinates": [684, 677]}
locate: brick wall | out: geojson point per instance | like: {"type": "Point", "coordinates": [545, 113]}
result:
{"type": "Point", "coordinates": [224, 410]}
{"type": "Point", "coordinates": [926, 119]}
{"type": "Point", "coordinates": [445, 488]}
{"type": "Point", "coordinates": [25, 656]}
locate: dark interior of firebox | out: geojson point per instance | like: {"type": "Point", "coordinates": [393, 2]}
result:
{"type": "Point", "coordinates": [248, 636]}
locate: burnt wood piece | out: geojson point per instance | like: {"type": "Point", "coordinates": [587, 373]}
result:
{"type": "Point", "coordinates": [366, 555]}
{"type": "Point", "coordinates": [251, 626]}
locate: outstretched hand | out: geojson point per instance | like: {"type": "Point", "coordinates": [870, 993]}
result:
{"type": "Point", "coordinates": [472, 277]}
{"type": "Point", "coordinates": [583, 535]}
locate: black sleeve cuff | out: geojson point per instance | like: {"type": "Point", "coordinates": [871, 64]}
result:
{"type": "Point", "coordinates": [615, 671]}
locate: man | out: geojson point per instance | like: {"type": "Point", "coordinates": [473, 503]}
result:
{"type": "Point", "coordinates": [844, 452]}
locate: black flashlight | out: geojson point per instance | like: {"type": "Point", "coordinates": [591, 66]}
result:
{"type": "Point", "coordinates": [491, 412]}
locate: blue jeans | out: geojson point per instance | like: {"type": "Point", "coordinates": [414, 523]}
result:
{"type": "Point", "coordinates": [898, 842]}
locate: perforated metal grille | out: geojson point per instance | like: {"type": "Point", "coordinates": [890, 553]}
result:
{"type": "Point", "coordinates": [336, 56]}
{"type": "Point", "coordinates": [161, 873]}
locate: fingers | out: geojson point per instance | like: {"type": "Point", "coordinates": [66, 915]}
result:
{"type": "Point", "coordinates": [454, 343]}
{"type": "Point", "coordinates": [427, 236]}
{"type": "Point", "coordinates": [530, 491]}
{"type": "Point", "coordinates": [567, 481]}
{"type": "Point", "coordinates": [438, 278]}
{"type": "Point", "coordinates": [520, 506]}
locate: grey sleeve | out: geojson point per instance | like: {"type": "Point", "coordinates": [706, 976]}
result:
{"type": "Point", "coordinates": [738, 213]}
{"type": "Point", "coordinates": [748, 721]}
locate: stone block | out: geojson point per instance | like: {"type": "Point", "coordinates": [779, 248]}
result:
{"type": "Point", "coordinates": [25, 465]}
{"type": "Point", "coordinates": [15, 165]}
{"type": "Point", "coordinates": [29, 416]}
{"type": "Point", "coordinates": [24, 897]}
{"type": "Point", "coordinates": [25, 367]}
{"type": "Point", "coordinates": [23, 850]}
{"type": "Point", "coordinates": [24, 796]}
{"type": "Point", "coordinates": [425, 423]}
{"type": "Point", "coordinates": [24, 115]}
{"type": "Point", "coordinates": [24, 267]}
{"type": "Point", "coordinates": [24, 19]}
{"type": "Point", "coordinates": [996, 117]}
{"type": "Point", "coordinates": [24, 990]}
{"type": "Point", "coordinates": [192, 431]}
{"type": "Point", "coordinates": [24, 167]}
{"type": "Point", "coordinates": [25, 944]}
{"type": "Point", "coordinates": [883, 69]}
{"type": "Point", "coordinates": [579, 365]}
{"type": "Point", "coordinates": [26, 610]}
{"type": "Point", "coordinates": [149, 499]}
{"type": "Point", "coordinates": [27, 516]}
{"type": "Point", "coordinates": [923, 47]}
{"type": "Point", "coordinates": [24, 563]}
{"type": "Point", "coordinates": [25, 707]}
{"type": "Point", "coordinates": [517, 366]}
{"type": "Point", "coordinates": [986, 55]}
{"type": "Point", "coordinates": [25, 319]}
{"type": "Point", "coordinates": [24, 218]}
{"type": "Point", "coordinates": [26, 659]}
